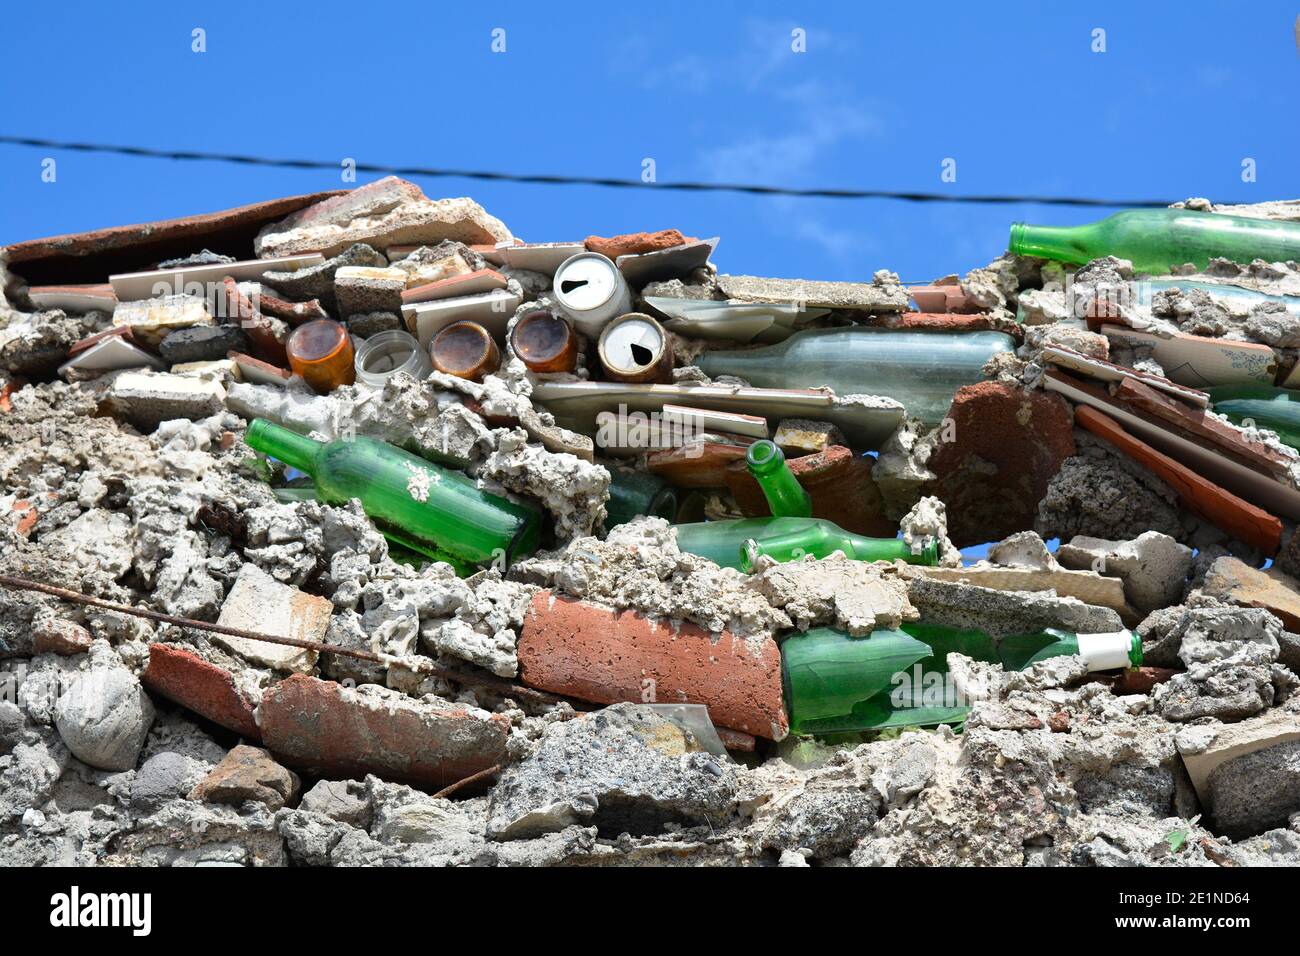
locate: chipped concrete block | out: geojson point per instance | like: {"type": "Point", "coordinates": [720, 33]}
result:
{"type": "Point", "coordinates": [343, 733]}
{"type": "Point", "coordinates": [204, 343]}
{"type": "Point", "coordinates": [882, 294]}
{"type": "Point", "coordinates": [1086, 586]}
{"type": "Point", "coordinates": [317, 282]}
{"type": "Point", "coordinates": [1153, 566]}
{"type": "Point", "coordinates": [387, 212]}
{"type": "Point", "coordinates": [1000, 613]}
{"type": "Point", "coordinates": [258, 602]}
{"type": "Point", "coordinates": [801, 436]}
{"type": "Point", "coordinates": [1245, 795]}
{"type": "Point", "coordinates": [622, 769]}
{"type": "Point", "coordinates": [99, 539]}
{"type": "Point", "coordinates": [148, 398]}
{"type": "Point", "coordinates": [589, 652]}
{"type": "Point", "coordinates": [1237, 582]}
{"type": "Point", "coordinates": [362, 289]}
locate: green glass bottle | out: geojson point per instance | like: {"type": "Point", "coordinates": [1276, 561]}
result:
{"type": "Point", "coordinates": [785, 496]}
{"type": "Point", "coordinates": [1157, 240]}
{"type": "Point", "coordinates": [636, 493]}
{"type": "Point", "coordinates": [836, 683]}
{"type": "Point", "coordinates": [429, 509]}
{"type": "Point", "coordinates": [1264, 406]}
{"type": "Point", "coordinates": [922, 370]}
{"type": "Point", "coordinates": [727, 542]}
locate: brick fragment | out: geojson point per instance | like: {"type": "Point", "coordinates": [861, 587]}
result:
{"type": "Point", "coordinates": [201, 686]}
{"type": "Point", "coordinates": [342, 733]}
{"type": "Point", "coordinates": [589, 652]}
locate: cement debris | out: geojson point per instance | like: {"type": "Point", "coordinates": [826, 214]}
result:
{"type": "Point", "coordinates": [216, 653]}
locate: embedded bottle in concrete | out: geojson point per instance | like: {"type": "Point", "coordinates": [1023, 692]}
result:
{"type": "Point", "coordinates": [737, 542]}
{"type": "Point", "coordinates": [545, 342]}
{"type": "Point", "coordinates": [837, 683]}
{"type": "Point", "coordinates": [437, 512]}
{"type": "Point", "coordinates": [1157, 240]}
{"type": "Point", "coordinates": [321, 352]}
{"type": "Point", "coordinates": [636, 493]}
{"type": "Point", "coordinates": [1261, 406]}
{"type": "Point", "coordinates": [786, 498]}
{"type": "Point", "coordinates": [466, 350]}
{"type": "Point", "coordinates": [922, 370]}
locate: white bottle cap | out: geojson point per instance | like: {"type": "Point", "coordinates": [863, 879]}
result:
{"type": "Point", "coordinates": [1108, 651]}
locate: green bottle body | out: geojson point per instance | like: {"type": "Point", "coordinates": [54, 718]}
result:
{"type": "Point", "coordinates": [1265, 406]}
{"type": "Point", "coordinates": [1157, 240]}
{"type": "Point", "coordinates": [836, 683]}
{"type": "Point", "coordinates": [786, 498]}
{"type": "Point", "coordinates": [436, 512]}
{"type": "Point", "coordinates": [636, 493]}
{"type": "Point", "coordinates": [922, 370]}
{"type": "Point", "coordinates": [727, 542]}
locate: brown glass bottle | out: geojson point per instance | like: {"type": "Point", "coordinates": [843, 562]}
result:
{"type": "Point", "coordinates": [465, 349]}
{"type": "Point", "coordinates": [321, 352]}
{"type": "Point", "coordinates": [545, 342]}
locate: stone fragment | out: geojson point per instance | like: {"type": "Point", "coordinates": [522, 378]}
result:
{"type": "Point", "coordinates": [800, 436]}
{"type": "Point", "coordinates": [387, 212]}
{"type": "Point", "coordinates": [148, 398]}
{"type": "Point", "coordinates": [100, 540]}
{"type": "Point", "coordinates": [1153, 566]}
{"type": "Point", "coordinates": [341, 732]}
{"type": "Point", "coordinates": [372, 323]}
{"type": "Point", "coordinates": [258, 602]}
{"type": "Point", "coordinates": [1000, 613]}
{"type": "Point", "coordinates": [150, 320]}
{"type": "Point", "coordinates": [589, 652]}
{"type": "Point", "coordinates": [1006, 445]}
{"type": "Point", "coordinates": [203, 343]}
{"type": "Point", "coordinates": [624, 769]}
{"type": "Point", "coordinates": [362, 289]}
{"type": "Point", "coordinates": [55, 635]}
{"type": "Point", "coordinates": [104, 715]}
{"type": "Point", "coordinates": [882, 294]}
{"type": "Point", "coordinates": [1086, 586]}
{"type": "Point", "coordinates": [1246, 774]}
{"type": "Point", "coordinates": [201, 686]}
{"type": "Point", "coordinates": [428, 264]}
{"type": "Point", "coordinates": [343, 800]}
{"type": "Point", "coordinates": [248, 773]}
{"type": "Point", "coordinates": [1231, 579]}
{"type": "Point", "coordinates": [317, 282]}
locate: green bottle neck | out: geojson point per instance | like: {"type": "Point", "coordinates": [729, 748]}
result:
{"type": "Point", "coordinates": [1065, 243]}
{"type": "Point", "coordinates": [786, 498]}
{"type": "Point", "coordinates": [296, 451]}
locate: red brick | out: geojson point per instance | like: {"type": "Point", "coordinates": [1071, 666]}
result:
{"type": "Point", "coordinates": [947, 322]}
{"type": "Point", "coordinates": [91, 256]}
{"type": "Point", "coordinates": [1005, 445]}
{"type": "Point", "coordinates": [200, 686]}
{"type": "Point", "coordinates": [736, 740]}
{"type": "Point", "coordinates": [242, 311]}
{"type": "Point", "coordinates": [695, 465]}
{"type": "Point", "coordinates": [941, 299]}
{"type": "Point", "coordinates": [339, 733]}
{"type": "Point", "coordinates": [592, 653]}
{"type": "Point", "coordinates": [839, 483]}
{"type": "Point", "coordinates": [633, 243]}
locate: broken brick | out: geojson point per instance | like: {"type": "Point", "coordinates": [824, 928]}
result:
{"type": "Point", "coordinates": [592, 653]}
{"type": "Point", "coordinates": [201, 686]}
{"type": "Point", "coordinates": [342, 733]}
{"type": "Point", "coordinates": [1006, 445]}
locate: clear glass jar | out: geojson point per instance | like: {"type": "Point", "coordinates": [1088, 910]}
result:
{"type": "Point", "coordinates": [383, 355]}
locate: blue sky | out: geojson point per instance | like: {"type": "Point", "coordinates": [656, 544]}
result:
{"type": "Point", "coordinates": [882, 96]}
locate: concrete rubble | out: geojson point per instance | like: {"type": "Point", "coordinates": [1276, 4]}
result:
{"type": "Point", "coordinates": [526, 709]}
